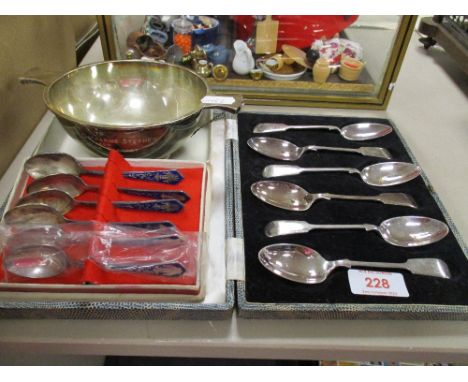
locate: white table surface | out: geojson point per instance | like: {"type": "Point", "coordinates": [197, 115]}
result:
{"type": "Point", "coordinates": [429, 106]}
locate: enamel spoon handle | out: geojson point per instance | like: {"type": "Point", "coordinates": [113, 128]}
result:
{"type": "Point", "coordinates": [169, 205]}
{"type": "Point", "coordinates": [179, 195]}
{"type": "Point", "coordinates": [173, 269]}
{"type": "Point", "coordinates": [158, 176]}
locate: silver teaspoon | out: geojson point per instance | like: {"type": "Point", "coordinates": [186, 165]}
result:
{"type": "Point", "coordinates": [292, 197]}
{"type": "Point", "coordinates": [36, 261]}
{"type": "Point", "coordinates": [42, 261]}
{"type": "Point", "coordinates": [402, 231]}
{"type": "Point", "coordinates": [42, 165]}
{"type": "Point", "coordinates": [378, 174]}
{"type": "Point", "coordinates": [304, 265]}
{"type": "Point", "coordinates": [285, 150]}
{"type": "Point", "coordinates": [354, 132]}
{"type": "Point", "coordinates": [45, 215]}
{"type": "Point", "coordinates": [74, 186]}
{"type": "Point", "coordinates": [64, 203]}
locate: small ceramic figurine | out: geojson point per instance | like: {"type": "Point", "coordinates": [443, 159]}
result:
{"type": "Point", "coordinates": [321, 70]}
{"type": "Point", "coordinates": [243, 61]}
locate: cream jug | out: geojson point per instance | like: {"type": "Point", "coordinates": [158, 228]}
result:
{"type": "Point", "coordinates": [243, 61]}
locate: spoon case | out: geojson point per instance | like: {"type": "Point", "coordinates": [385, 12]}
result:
{"type": "Point", "coordinates": [263, 294]}
{"type": "Point", "coordinates": [85, 273]}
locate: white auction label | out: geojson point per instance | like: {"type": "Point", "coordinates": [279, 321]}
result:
{"type": "Point", "coordinates": [218, 100]}
{"type": "Point", "coordinates": [374, 283]}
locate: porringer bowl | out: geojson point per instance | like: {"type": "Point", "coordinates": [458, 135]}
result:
{"type": "Point", "coordinates": [140, 108]}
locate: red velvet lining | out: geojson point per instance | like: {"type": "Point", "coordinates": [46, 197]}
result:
{"type": "Point", "coordinates": [187, 220]}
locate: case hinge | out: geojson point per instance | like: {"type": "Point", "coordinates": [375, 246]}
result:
{"type": "Point", "coordinates": [231, 129]}
{"type": "Point", "coordinates": [235, 268]}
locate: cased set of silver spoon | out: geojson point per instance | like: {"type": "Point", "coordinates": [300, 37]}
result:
{"type": "Point", "coordinates": [302, 264]}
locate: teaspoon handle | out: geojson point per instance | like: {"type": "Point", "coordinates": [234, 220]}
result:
{"type": "Point", "coordinates": [276, 170]}
{"type": "Point", "coordinates": [327, 196]}
{"type": "Point", "coordinates": [367, 227]}
{"type": "Point", "coordinates": [92, 172]}
{"type": "Point", "coordinates": [158, 176]}
{"type": "Point", "coordinates": [181, 196]}
{"type": "Point", "coordinates": [314, 127]}
{"type": "Point", "coordinates": [369, 264]}
{"type": "Point", "coordinates": [170, 205]}
{"type": "Point", "coordinates": [163, 269]}
{"type": "Point", "coordinates": [423, 266]}
{"type": "Point", "coordinates": [327, 148]}
{"type": "Point", "coordinates": [290, 227]}
{"type": "Point", "coordinates": [331, 169]}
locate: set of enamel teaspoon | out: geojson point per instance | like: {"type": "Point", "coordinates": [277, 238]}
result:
{"type": "Point", "coordinates": [302, 264]}
{"type": "Point", "coordinates": [56, 183]}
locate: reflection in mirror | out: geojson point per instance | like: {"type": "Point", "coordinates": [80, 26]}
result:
{"type": "Point", "coordinates": [297, 58]}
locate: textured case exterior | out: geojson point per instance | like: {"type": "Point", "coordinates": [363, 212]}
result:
{"type": "Point", "coordinates": [248, 309]}
{"type": "Point", "coordinates": [121, 310]}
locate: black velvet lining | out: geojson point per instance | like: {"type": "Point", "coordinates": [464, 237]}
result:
{"type": "Point", "coordinates": [265, 287]}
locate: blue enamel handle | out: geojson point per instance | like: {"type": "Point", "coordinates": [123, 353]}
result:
{"type": "Point", "coordinates": [170, 205]}
{"type": "Point", "coordinates": [181, 196]}
{"type": "Point", "coordinates": [148, 225]}
{"type": "Point", "coordinates": [163, 269]}
{"type": "Point", "coordinates": [160, 176]}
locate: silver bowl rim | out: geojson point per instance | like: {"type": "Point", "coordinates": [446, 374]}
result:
{"type": "Point", "coordinates": [47, 101]}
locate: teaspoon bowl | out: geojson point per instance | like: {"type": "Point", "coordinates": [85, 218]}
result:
{"type": "Point", "coordinates": [36, 261]}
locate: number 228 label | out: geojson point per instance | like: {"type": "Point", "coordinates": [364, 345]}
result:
{"type": "Point", "coordinates": [373, 283]}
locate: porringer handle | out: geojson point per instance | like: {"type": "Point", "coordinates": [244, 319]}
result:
{"type": "Point", "coordinates": [36, 76]}
{"type": "Point", "coordinates": [230, 103]}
